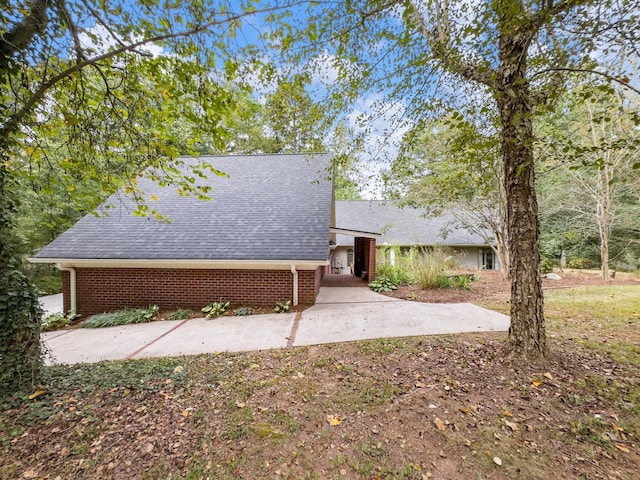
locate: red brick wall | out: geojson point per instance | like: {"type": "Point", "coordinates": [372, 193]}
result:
{"type": "Point", "coordinates": [107, 289]}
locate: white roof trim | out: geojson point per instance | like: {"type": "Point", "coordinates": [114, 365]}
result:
{"type": "Point", "coordinates": [182, 264]}
{"type": "Point", "coordinates": [354, 233]}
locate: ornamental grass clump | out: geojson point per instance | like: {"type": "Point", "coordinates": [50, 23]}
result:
{"type": "Point", "coordinates": [431, 268]}
{"type": "Point", "coordinates": [122, 317]}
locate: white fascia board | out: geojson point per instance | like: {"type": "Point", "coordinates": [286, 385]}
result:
{"type": "Point", "coordinates": [184, 264]}
{"type": "Point", "coordinates": [354, 233]}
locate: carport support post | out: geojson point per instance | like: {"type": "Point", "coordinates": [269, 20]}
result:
{"type": "Point", "coordinates": [371, 267]}
{"type": "Point", "coordinates": [365, 258]}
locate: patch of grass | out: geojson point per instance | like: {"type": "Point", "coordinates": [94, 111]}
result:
{"type": "Point", "coordinates": [139, 374]}
{"type": "Point", "coordinates": [623, 396]}
{"type": "Point", "coordinates": [620, 351]}
{"type": "Point", "coordinates": [237, 425]}
{"type": "Point", "coordinates": [615, 306]}
{"type": "Point", "coordinates": [275, 425]}
{"type": "Point", "coordinates": [122, 317]}
{"type": "Point", "coordinates": [180, 314]}
{"type": "Point", "coordinates": [381, 346]}
{"type": "Point", "coordinates": [243, 311]}
{"type": "Point", "coordinates": [605, 318]}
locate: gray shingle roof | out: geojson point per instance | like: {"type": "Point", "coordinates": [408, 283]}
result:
{"type": "Point", "coordinates": [400, 226]}
{"type": "Point", "coordinates": [271, 207]}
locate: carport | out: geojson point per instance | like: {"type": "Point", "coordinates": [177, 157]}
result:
{"type": "Point", "coordinates": [364, 254]}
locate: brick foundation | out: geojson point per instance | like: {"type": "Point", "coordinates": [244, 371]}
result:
{"type": "Point", "coordinates": [108, 289]}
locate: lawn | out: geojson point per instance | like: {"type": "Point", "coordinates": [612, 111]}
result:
{"type": "Point", "coordinates": [448, 407]}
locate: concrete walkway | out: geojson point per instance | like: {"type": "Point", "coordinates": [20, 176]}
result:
{"type": "Point", "coordinates": [51, 304]}
{"type": "Point", "coordinates": [340, 315]}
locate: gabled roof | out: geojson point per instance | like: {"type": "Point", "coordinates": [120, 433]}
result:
{"type": "Point", "coordinates": [401, 226]}
{"type": "Point", "coordinates": [270, 207]}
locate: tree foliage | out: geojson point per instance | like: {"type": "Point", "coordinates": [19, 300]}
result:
{"type": "Point", "coordinates": [589, 184]}
{"type": "Point", "coordinates": [450, 165]}
{"type": "Point", "coordinates": [90, 95]}
{"type": "Point", "coordinates": [508, 57]}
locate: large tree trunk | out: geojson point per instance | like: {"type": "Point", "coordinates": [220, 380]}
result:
{"type": "Point", "coordinates": [527, 335]}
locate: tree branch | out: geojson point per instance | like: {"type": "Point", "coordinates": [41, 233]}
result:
{"type": "Point", "coordinates": [438, 40]}
{"type": "Point", "coordinates": [12, 123]}
{"type": "Point", "coordinates": [621, 81]}
{"type": "Point", "coordinates": [106, 26]}
{"type": "Point", "coordinates": [73, 29]}
{"type": "Point", "coordinates": [20, 36]}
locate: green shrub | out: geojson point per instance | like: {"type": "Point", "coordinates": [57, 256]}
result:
{"type": "Point", "coordinates": [215, 309]}
{"type": "Point", "coordinates": [382, 284]}
{"type": "Point", "coordinates": [180, 314]}
{"type": "Point", "coordinates": [462, 281]}
{"type": "Point", "coordinates": [283, 307]}
{"type": "Point", "coordinates": [243, 311]}
{"type": "Point", "coordinates": [46, 278]}
{"type": "Point", "coordinates": [122, 317]}
{"type": "Point", "coordinates": [48, 285]}
{"type": "Point", "coordinates": [581, 263]}
{"type": "Point", "coordinates": [20, 314]}
{"type": "Point", "coordinates": [56, 321]}
{"type": "Point", "coordinates": [400, 271]}
{"type": "Point", "coordinates": [546, 265]}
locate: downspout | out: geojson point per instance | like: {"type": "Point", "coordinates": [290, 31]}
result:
{"type": "Point", "coordinates": [72, 285]}
{"type": "Point", "coordinates": [295, 284]}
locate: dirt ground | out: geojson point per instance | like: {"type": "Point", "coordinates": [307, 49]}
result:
{"type": "Point", "coordinates": [491, 284]}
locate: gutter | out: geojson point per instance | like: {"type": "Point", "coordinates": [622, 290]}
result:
{"type": "Point", "coordinates": [72, 285]}
{"type": "Point", "coordinates": [181, 263]}
{"type": "Point", "coordinates": [295, 284]}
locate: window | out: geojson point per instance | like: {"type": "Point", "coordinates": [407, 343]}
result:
{"type": "Point", "coordinates": [350, 256]}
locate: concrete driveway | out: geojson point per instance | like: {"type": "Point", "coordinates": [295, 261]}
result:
{"type": "Point", "coordinates": [340, 315]}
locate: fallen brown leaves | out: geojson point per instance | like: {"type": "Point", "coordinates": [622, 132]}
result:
{"type": "Point", "coordinates": [444, 408]}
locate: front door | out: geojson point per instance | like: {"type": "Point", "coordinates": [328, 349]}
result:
{"type": "Point", "coordinates": [487, 259]}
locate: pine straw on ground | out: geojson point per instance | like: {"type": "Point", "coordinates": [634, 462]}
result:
{"type": "Point", "coordinates": [491, 284]}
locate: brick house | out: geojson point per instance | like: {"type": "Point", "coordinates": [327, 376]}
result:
{"type": "Point", "coordinates": [264, 237]}
{"type": "Point", "coordinates": [407, 228]}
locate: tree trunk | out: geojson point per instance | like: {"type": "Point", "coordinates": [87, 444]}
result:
{"type": "Point", "coordinates": [604, 255]}
{"type": "Point", "coordinates": [502, 252]}
{"type": "Point", "coordinates": [527, 335]}
{"type": "Point", "coordinates": [604, 195]}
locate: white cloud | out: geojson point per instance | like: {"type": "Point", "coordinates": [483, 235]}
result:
{"type": "Point", "coordinates": [99, 40]}
{"type": "Point", "coordinates": [382, 125]}
{"type": "Point", "coordinates": [325, 68]}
